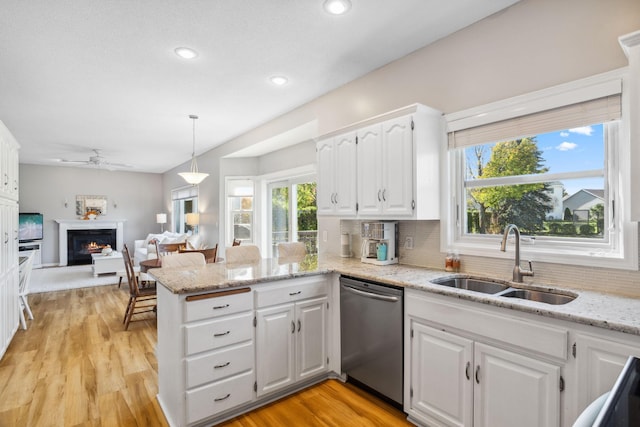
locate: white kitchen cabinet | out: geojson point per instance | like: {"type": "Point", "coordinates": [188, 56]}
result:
{"type": "Point", "coordinates": [441, 369]}
{"type": "Point", "coordinates": [9, 270]}
{"type": "Point", "coordinates": [385, 168]}
{"type": "Point", "coordinates": [206, 354]}
{"type": "Point", "coordinates": [599, 361]}
{"type": "Point", "coordinates": [291, 337]}
{"type": "Point", "coordinates": [464, 370]}
{"type": "Point", "coordinates": [336, 159]}
{"type": "Point", "coordinates": [291, 342]}
{"type": "Point", "coordinates": [514, 390]}
{"type": "Point", "coordinates": [397, 166]}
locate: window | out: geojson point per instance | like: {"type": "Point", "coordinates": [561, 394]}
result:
{"type": "Point", "coordinates": [293, 213]}
{"type": "Point", "coordinates": [555, 173]}
{"type": "Point", "coordinates": [185, 201]}
{"type": "Point", "coordinates": [240, 210]}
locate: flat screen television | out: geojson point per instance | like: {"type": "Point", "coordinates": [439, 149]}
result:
{"type": "Point", "coordinates": [30, 227]}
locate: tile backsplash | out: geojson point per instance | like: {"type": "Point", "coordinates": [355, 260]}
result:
{"type": "Point", "coordinates": [426, 253]}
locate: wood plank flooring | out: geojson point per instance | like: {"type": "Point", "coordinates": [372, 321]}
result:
{"type": "Point", "coordinates": [76, 366]}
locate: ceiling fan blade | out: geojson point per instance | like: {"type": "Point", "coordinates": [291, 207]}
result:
{"type": "Point", "coordinates": [117, 165]}
{"type": "Point", "coordinates": [74, 162]}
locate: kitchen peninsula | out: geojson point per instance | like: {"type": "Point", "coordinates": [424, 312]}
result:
{"type": "Point", "coordinates": [232, 338]}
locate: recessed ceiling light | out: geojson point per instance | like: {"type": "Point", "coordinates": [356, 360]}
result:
{"type": "Point", "coordinates": [185, 52]}
{"type": "Point", "coordinates": [337, 7]}
{"type": "Point", "coordinates": [279, 80]}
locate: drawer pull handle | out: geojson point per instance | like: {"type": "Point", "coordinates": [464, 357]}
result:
{"type": "Point", "coordinates": [295, 293]}
{"type": "Point", "coordinates": [222, 334]}
{"type": "Point", "coordinates": [293, 327]}
{"type": "Point", "coordinates": [478, 374]}
{"type": "Point", "coordinates": [299, 325]}
{"type": "Point", "coordinates": [466, 371]}
{"type": "Point", "coordinates": [222, 398]}
{"type": "Point", "coordinates": [224, 365]}
{"type": "Point", "coordinates": [218, 307]}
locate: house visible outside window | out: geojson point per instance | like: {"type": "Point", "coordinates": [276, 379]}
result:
{"type": "Point", "coordinates": [293, 213]}
{"type": "Point", "coordinates": [185, 201]}
{"type": "Point", "coordinates": [551, 185]}
{"type": "Point", "coordinates": [556, 173]}
{"type": "Point", "coordinates": [240, 210]}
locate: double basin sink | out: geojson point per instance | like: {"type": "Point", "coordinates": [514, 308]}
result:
{"type": "Point", "coordinates": [495, 288]}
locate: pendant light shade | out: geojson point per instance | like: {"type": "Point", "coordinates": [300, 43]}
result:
{"type": "Point", "coordinates": [193, 177]}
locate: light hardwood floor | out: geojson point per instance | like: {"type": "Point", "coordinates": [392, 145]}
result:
{"type": "Point", "coordinates": [76, 366]}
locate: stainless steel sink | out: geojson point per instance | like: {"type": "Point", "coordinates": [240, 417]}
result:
{"type": "Point", "coordinates": [538, 296]}
{"type": "Point", "coordinates": [476, 285]}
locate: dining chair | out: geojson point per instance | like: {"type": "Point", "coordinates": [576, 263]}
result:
{"type": "Point", "coordinates": [292, 250]}
{"type": "Point", "coordinates": [242, 254]}
{"type": "Point", "coordinates": [209, 254]}
{"type": "Point", "coordinates": [236, 242]}
{"type": "Point", "coordinates": [183, 259]}
{"type": "Point", "coordinates": [141, 300]}
{"type": "Point", "coordinates": [169, 248]}
{"type": "Point", "coordinates": [23, 289]}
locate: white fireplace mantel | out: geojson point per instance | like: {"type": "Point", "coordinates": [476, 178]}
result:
{"type": "Point", "coordinates": [65, 225]}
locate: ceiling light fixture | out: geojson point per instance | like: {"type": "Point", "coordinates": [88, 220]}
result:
{"type": "Point", "coordinates": [185, 52]}
{"type": "Point", "coordinates": [193, 177]}
{"type": "Point", "coordinates": [279, 80]}
{"type": "Point", "coordinates": [337, 7]}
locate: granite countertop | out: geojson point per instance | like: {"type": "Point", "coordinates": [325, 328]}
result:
{"type": "Point", "coordinates": [590, 308]}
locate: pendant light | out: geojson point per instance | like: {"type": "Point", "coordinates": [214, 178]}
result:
{"type": "Point", "coordinates": [193, 177]}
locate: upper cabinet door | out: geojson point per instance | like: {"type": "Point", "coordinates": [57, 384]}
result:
{"type": "Point", "coordinates": [397, 167]}
{"type": "Point", "coordinates": [336, 194]}
{"type": "Point", "coordinates": [325, 185]}
{"type": "Point", "coordinates": [345, 174]}
{"type": "Point", "coordinates": [369, 170]}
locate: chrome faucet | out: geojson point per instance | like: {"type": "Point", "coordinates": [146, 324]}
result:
{"type": "Point", "coordinates": [518, 273]}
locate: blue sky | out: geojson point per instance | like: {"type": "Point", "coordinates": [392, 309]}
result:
{"type": "Point", "coordinates": [571, 150]}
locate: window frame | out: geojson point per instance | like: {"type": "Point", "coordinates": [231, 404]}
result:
{"type": "Point", "coordinates": [178, 197]}
{"type": "Point", "coordinates": [229, 235]}
{"type": "Point", "coordinates": [619, 250]}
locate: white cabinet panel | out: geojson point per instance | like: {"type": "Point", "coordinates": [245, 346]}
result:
{"type": "Point", "coordinates": [397, 167]}
{"type": "Point", "coordinates": [441, 369]}
{"type": "Point", "coordinates": [275, 347]}
{"type": "Point", "coordinates": [311, 348]}
{"type": "Point", "coordinates": [336, 180]}
{"type": "Point", "coordinates": [512, 389]}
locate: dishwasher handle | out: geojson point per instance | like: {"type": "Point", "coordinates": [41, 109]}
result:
{"type": "Point", "coordinates": [370, 294]}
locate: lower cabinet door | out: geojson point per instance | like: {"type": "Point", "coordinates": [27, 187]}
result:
{"type": "Point", "coordinates": [514, 390]}
{"type": "Point", "coordinates": [217, 397]}
{"type": "Point", "coordinates": [311, 327]}
{"type": "Point", "coordinates": [275, 352]}
{"type": "Point", "coordinates": [441, 377]}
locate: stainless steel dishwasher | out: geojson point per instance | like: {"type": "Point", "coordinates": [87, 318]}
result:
{"type": "Point", "coordinates": [371, 335]}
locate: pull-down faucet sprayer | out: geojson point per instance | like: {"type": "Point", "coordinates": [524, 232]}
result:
{"type": "Point", "coordinates": [518, 273]}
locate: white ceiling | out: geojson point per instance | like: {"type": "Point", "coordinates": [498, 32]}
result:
{"type": "Point", "coordinates": [77, 75]}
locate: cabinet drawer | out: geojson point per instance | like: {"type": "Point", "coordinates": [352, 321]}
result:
{"type": "Point", "coordinates": [215, 398]}
{"type": "Point", "coordinates": [218, 333]}
{"type": "Point", "coordinates": [215, 304]}
{"type": "Point", "coordinates": [291, 290]}
{"type": "Point", "coordinates": [220, 364]}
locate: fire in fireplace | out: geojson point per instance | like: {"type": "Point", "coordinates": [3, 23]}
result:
{"type": "Point", "coordinates": [82, 243]}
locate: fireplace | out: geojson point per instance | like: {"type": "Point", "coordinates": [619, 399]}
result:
{"type": "Point", "coordinates": [82, 243]}
{"type": "Point", "coordinates": [66, 226]}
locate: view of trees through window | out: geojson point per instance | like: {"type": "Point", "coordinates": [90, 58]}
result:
{"type": "Point", "coordinates": [551, 184]}
{"type": "Point", "coordinates": [305, 226]}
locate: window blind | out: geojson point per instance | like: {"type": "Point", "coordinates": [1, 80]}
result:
{"type": "Point", "coordinates": [585, 113]}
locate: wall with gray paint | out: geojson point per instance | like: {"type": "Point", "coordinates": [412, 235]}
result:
{"type": "Point", "coordinates": [137, 196]}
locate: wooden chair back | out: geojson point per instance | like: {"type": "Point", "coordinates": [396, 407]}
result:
{"type": "Point", "coordinates": [242, 254]}
{"type": "Point", "coordinates": [140, 300]}
{"type": "Point", "coordinates": [236, 242]}
{"type": "Point", "coordinates": [209, 254]}
{"type": "Point", "coordinates": [169, 248]}
{"type": "Point", "coordinates": [184, 259]}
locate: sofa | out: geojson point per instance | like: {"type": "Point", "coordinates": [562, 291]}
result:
{"type": "Point", "coordinates": [146, 249]}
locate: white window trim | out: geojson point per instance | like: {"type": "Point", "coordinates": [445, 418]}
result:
{"type": "Point", "coordinates": [227, 220]}
{"type": "Point", "coordinates": [622, 249]}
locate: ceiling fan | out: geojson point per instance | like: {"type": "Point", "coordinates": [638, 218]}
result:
{"type": "Point", "coordinates": [97, 160]}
